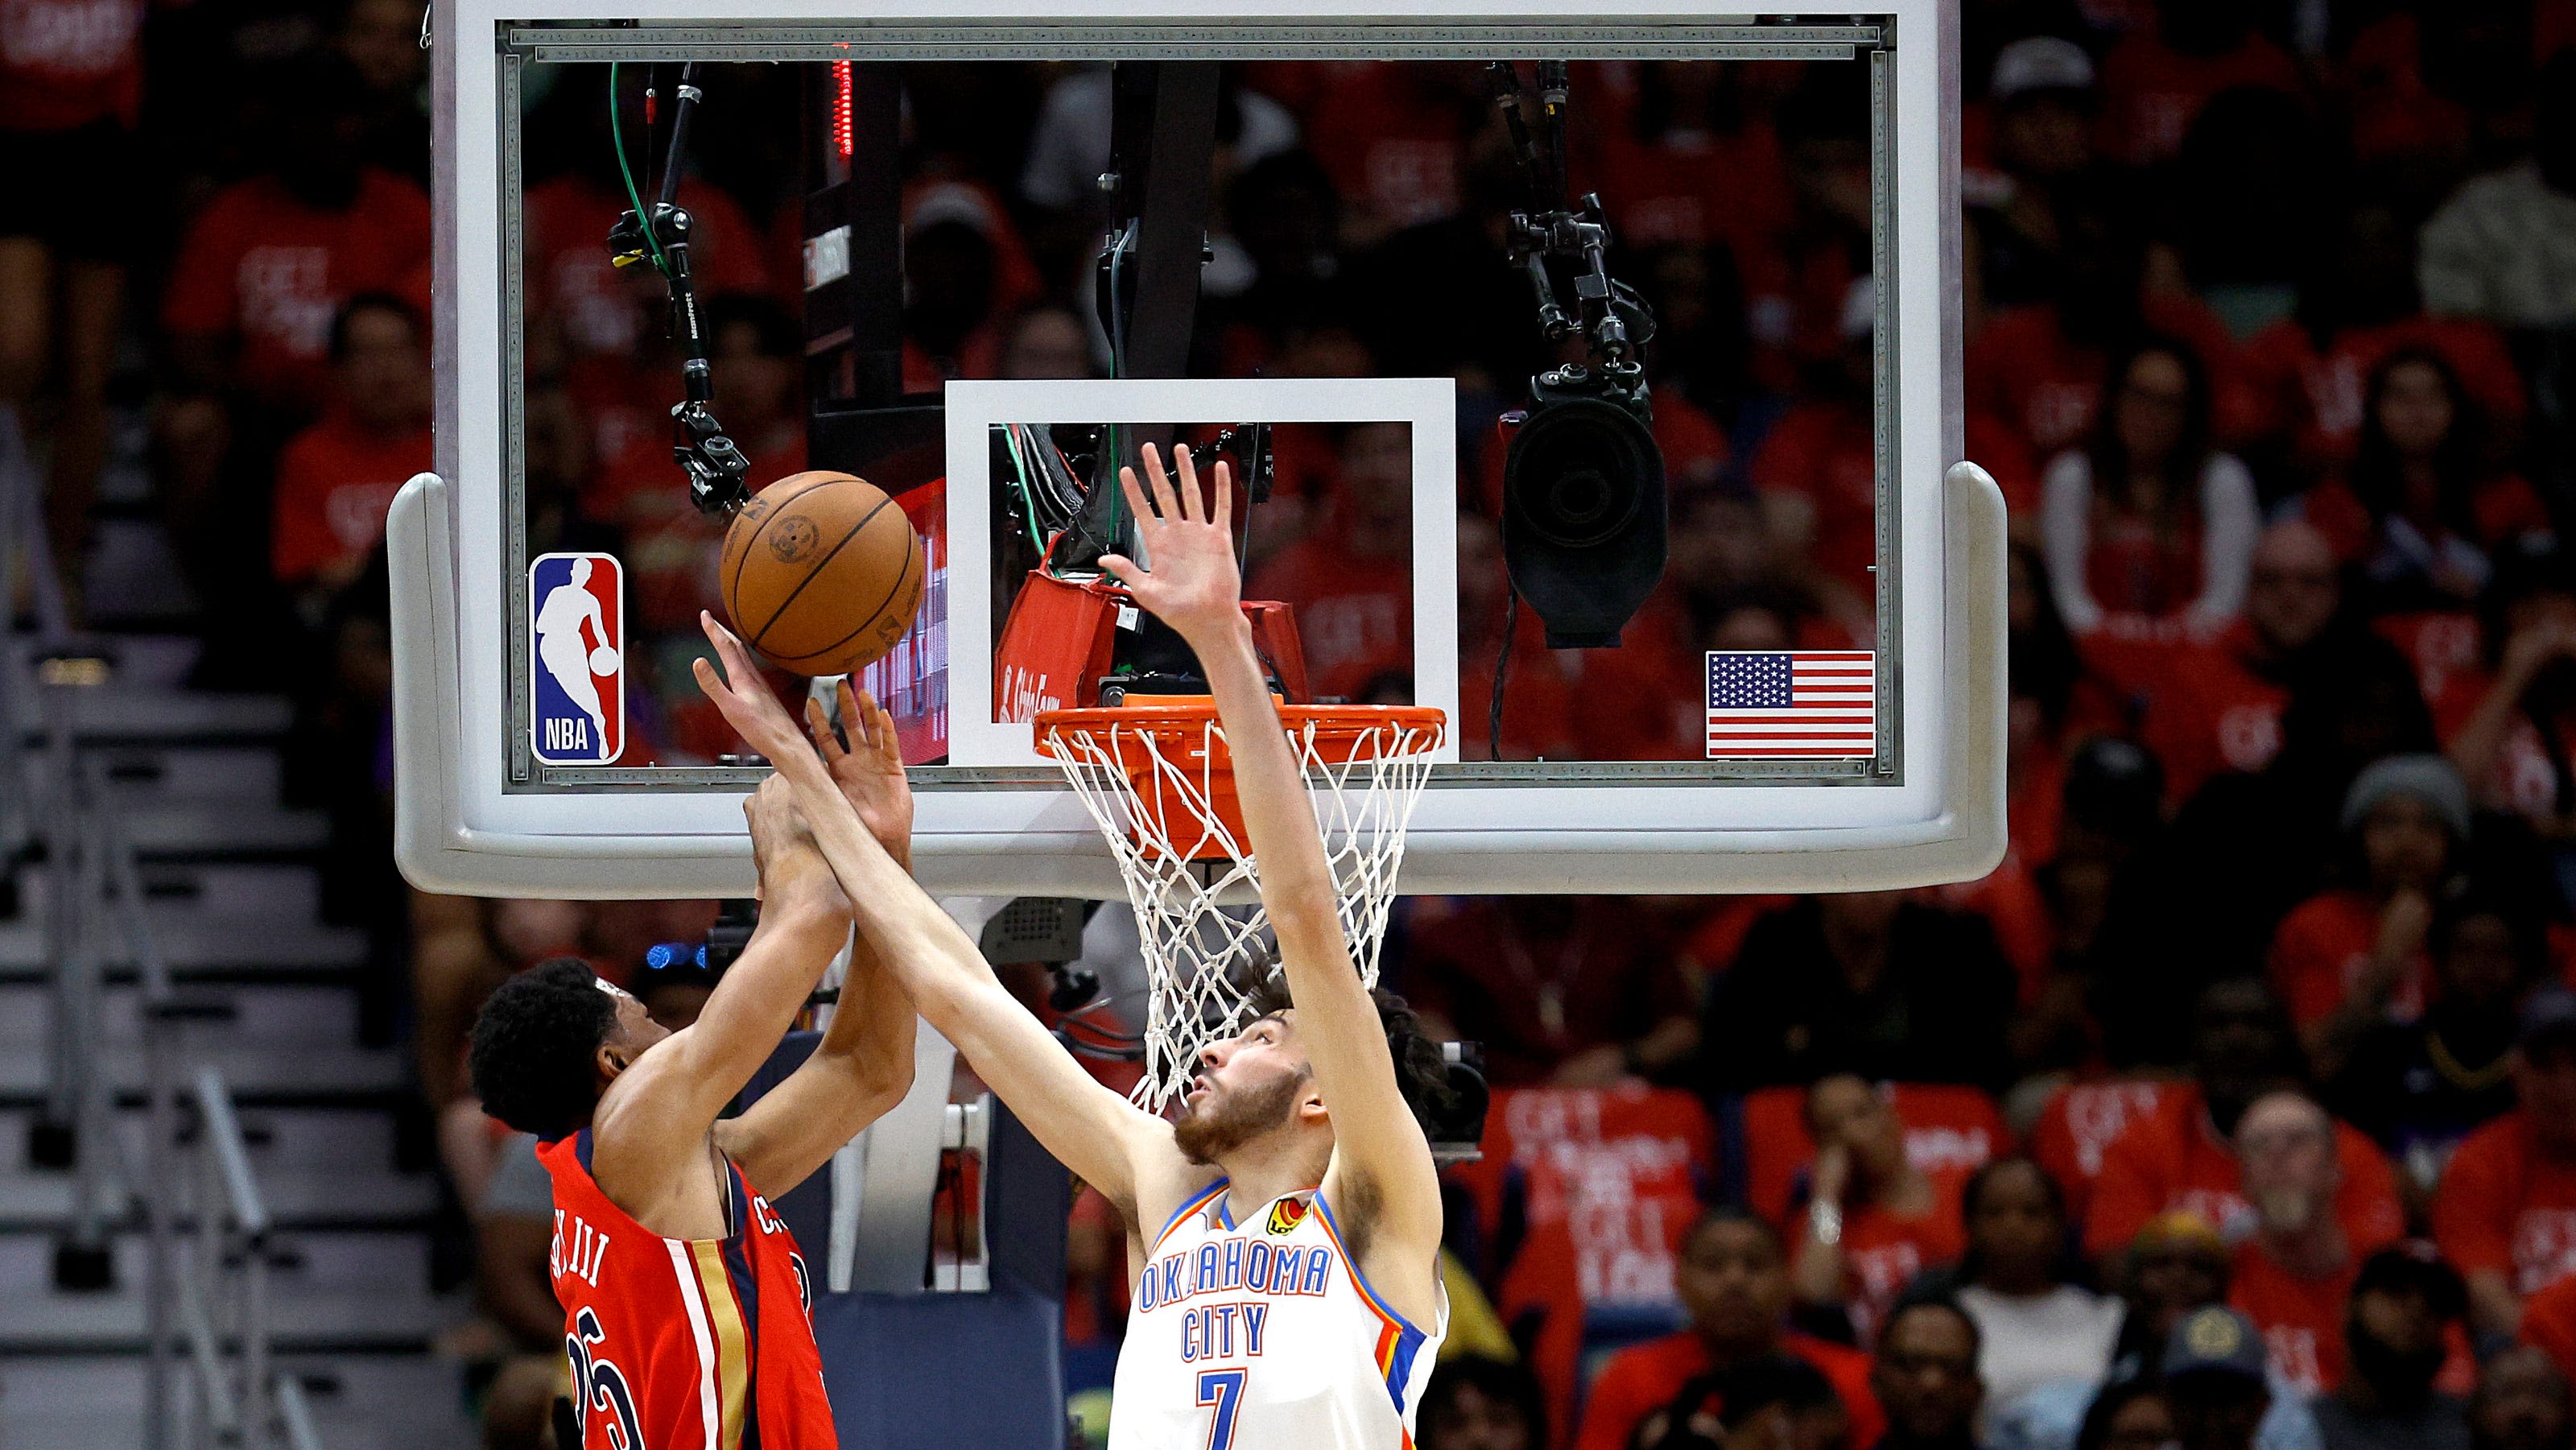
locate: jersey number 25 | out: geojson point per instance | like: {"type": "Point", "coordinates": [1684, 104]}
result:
{"type": "Point", "coordinates": [600, 1385]}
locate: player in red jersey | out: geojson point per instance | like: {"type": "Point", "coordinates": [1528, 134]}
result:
{"type": "Point", "coordinates": [686, 1303]}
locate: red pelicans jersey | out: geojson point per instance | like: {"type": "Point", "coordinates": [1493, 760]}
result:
{"type": "Point", "coordinates": [684, 1344]}
{"type": "Point", "coordinates": [1262, 1335]}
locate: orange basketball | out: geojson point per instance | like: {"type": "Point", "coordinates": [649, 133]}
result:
{"type": "Point", "coordinates": [821, 573]}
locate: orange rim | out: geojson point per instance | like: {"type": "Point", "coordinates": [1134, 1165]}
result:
{"type": "Point", "coordinates": [1183, 719]}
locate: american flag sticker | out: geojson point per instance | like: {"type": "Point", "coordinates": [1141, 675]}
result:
{"type": "Point", "coordinates": [1792, 704]}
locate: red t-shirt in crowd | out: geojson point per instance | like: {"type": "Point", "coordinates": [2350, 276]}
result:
{"type": "Point", "coordinates": [1883, 1253]}
{"type": "Point", "coordinates": [2035, 798]}
{"type": "Point", "coordinates": [1641, 1380]}
{"type": "Point", "coordinates": [2302, 1322]}
{"type": "Point", "coordinates": [1795, 286]}
{"type": "Point", "coordinates": [604, 308]}
{"type": "Point", "coordinates": [269, 270]}
{"type": "Point", "coordinates": [2016, 909]}
{"type": "Point", "coordinates": [625, 408]}
{"type": "Point", "coordinates": [2322, 947]}
{"type": "Point", "coordinates": [1389, 141]}
{"type": "Point", "coordinates": [2026, 374]}
{"type": "Point", "coordinates": [2301, 1319]}
{"type": "Point", "coordinates": [2503, 507]}
{"type": "Point", "coordinates": [2441, 644]}
{"type": "Point", "coordinates": [1354, 612]}
{"type": "Point", "coordinates": [2503, 1206]}
{"type": "Point", "coordinates": [2172, 1160]}
{"type": "Point", "coordinates": [2208, 711]}
{"type": "Point", "coordinates": [2151, 92]}
{"type": "Point", "coordinates": [1691, 188]}
{"type": "Point", "coordinates": [2076, 1127]}
{"type": "Point", "coordinates": [1655, 674]}
{"type": "Point", "coordinates": [1604, 977]}
{"type": "Point", "coordinates": [1542, 698]}
{"type": "Point", "coordinates": [334, 482]}
{"type": "Point", "coordinates": [68, 63]}
{"type": "Point", "coordinates": [2394, 114]}
{"type": "Point", "coordinates": [1951, 1131]}
{"type": "Point", "coordinates": [2522, 779]}
{"type": "Point", "coordinates": [2319, 395]}
{"type": "Point", "coordinates": [2549, 1321]}
{"type": "Point", "coordinates": [1695, 449]}
{"type": "Point", "coordinates": [1824, 453]}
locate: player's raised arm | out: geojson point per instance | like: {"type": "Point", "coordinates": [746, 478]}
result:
{"type": "Point", "coordinates": [863, 1065]}
{"type": "Point", "coordinates": [651, 1127]}
{"type": "Point", "coordinates": [1382, 1172]}
{"type": "Point", "coordinates": [1125, 1153]}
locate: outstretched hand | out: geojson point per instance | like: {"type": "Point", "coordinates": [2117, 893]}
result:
{"type": "Point", "coordinates": [744, 699]}
{"type": "Point", "coordinates": [1194, 585]}
{"type": "Point", "coordinates": [870, 770]}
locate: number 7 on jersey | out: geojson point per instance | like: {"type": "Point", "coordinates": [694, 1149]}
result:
{"type": "Point", "coordinates": [1223, 1389]}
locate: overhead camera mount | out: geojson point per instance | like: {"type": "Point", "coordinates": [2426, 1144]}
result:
{"type": "Point", "coordinates": [715, 466]}
{"type": "Point", "coordinates": [1583, 480]}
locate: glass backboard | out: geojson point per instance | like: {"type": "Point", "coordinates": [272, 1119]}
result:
{"type": "Point", "coordinates": [1359, 332]}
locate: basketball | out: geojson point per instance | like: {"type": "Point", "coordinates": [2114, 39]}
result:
{"type": "Point", "coordinates": [821, 573]}
{"type": "Point", "coordinates": [602, 660]}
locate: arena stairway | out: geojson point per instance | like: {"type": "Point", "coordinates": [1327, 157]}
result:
{"type": "Point", "coordinates": [234, 891]}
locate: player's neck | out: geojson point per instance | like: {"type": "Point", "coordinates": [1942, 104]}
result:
{"type": "Point", "coordinates": [1273, 1165]}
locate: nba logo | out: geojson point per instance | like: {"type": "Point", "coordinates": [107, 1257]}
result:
{"type": "Point", "coordinates": [577, 659]}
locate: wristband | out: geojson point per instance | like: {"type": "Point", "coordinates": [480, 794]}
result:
{"type": "Point", "coordinates": [1825, 1222]}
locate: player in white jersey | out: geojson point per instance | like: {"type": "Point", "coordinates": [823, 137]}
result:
{"type": "Point", "coordinates": [1284, 1233]}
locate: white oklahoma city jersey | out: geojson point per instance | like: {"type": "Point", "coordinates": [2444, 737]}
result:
{"type": "Point", "coordinates": [1262, 1335]}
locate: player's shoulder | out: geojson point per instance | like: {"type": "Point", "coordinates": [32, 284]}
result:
{"type": "Point", "coordinates": [1167, 1191]}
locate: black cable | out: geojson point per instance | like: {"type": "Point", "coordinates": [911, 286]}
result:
{"type": "Point", "coordinates": [1071, 1020]}
{"type": "Point", "coordinates": [1502, 672]}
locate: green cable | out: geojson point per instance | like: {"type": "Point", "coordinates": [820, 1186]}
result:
{"type": "Point", "coordinates": [617, 135]}
{"type": "Point", "coordinates": [1028, 500]}
{"type": "Point", "coordinates": [1117, 495]}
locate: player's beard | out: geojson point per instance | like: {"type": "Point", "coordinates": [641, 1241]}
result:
{"type": "Point", "coordinates": [1226, 1119]}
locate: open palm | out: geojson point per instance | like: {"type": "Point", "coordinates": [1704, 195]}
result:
{"type": "Point", "coordinates": [744, 698]}
{"type": "Point", "coordinates": [869, 770]}
{"type": "Point", "coordinates": [1194, 585]}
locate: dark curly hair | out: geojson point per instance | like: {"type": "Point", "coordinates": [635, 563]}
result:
{"type": "Point", "coordinates": [533, 1045]}
{"type": "Point", "coordinates": [1421, 1072]}
{"type": "Point", "coordinates": [1499, 1382]}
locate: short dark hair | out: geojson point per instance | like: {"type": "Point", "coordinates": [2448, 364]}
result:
{"type": "Point", "coordinates": [1498, 1380]}
{"type": "Point", "coordinates": [1773, 1379]}
{"type": "Point", "coordinates": [1736, 1214]}
{"type": "Point", "coordinates": [533, 1044]}
{"type": "Point", "coordinates": [373, 302]}
{"type": "Point", "coordinates": [1915, 1300]}
{"type": "Point", "coordinates": [2108, 1402]}
{"type": "Point", "coordinates": [1992, 1168]}
{"type": "Point", "coordinates": [1421, 1068]}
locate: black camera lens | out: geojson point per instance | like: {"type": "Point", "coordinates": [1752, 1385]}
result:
{"type": "Point", "coordinates": [1578, 473]}
{"type": "Point", "coordinates": [1583, 515]}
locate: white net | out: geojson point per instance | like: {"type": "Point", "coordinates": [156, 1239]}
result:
{"type": "Point", "coordinates": [1162, 790]}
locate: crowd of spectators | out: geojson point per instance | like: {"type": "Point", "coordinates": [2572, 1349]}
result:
{"type": "Point", "coordinates": [2236, 1108]}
